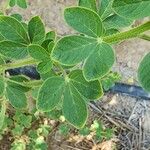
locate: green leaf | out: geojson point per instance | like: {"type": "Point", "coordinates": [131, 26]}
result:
{"type": "Point", "coordinates": [99, 57]}
{"type": "Point", "coordinates": [111, 31]}
{"type": "Point", "coordinates": [35, 93]}
{"type": "Point", "coordinates": [12, 29]}
{"type": "Point", "coordinates": [90, 90]}
{"type": "Point", "coordinates": [116, 22]}
{"type": "Point", "coordinates": [50, 47]}
{"type": "Point", "coordinates": [2, 61]}
{"type": "Point", "coordinates": [88, 4]}
{"type": "Point", "coordinates": [12, 3]}
{"type": "Point", "coordinates": [1, 13]}
{"type": "Point", "coordinates": [108, 134]}
{"type": "Point", "coordinates": [2, 113]}
{"type": "Point", "coordinates": [84, 131]}
{"type": "Point", "coordinates": [51, 35]}
{"type": "Point", "coordinates": [46, 43]}
{"type": "Point", "coordinates": [50, 94]}
{"type": "Point", "coordinates": [99, 62]}
{"type": "Point", "coordinates": [22, 3]}
{"type": "Point", "coordinates": [18, 85]}
{"type": "Point", "coordinates": [71, 50]}
{"type": "Point", "coordinates": [17, 131]}
{"type": "Point", "coordinates": [47, 75]}
{"type": "Point", "coordinates": [105, 8]}
{"type": "Point", "coordinates": [2, 86]}
{"type": "Point", "coordinates": [109, 80]}
{"type": "Point", "coordinates": [44, 67]}
{"type": "Point", "coordinates": [1, 37]}
{"type": "Point", "coordinates": [36, 30]}
{"type": "Point", "coordinates": [74, 107]}
{"type": "Point", "coordinates": [144, 71]}
{"type": "Point", "coordinates": [17, 16]}
{"type": "Point", "coordinates": [54, 114]}
{"type": "Point", "coordinates": [23, 119]}
{"type": "Point", "coordinates": [25, 25]}
{"type": "Point", "coordinates": [13, 50]}
{"type": "Point", "coordinates": [38, 52]}
{"type": "Point", "coordinates": [64, 129]}
{"type": "Point", "coordinates": [19, 78]}
{"type": "Point", "coordinates": [84, 20]}
{"type": "Point", "coordinates": [132, 9]}
{"type": "Point", "coordinates": [16, 97]}
{"type": "Point", "coordinates": [40, 144]}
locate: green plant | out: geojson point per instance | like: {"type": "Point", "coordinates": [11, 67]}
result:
{"type": "Point", "coordinates": [72, 68]}
{"type": "Point", "coordinates": [20, 3]}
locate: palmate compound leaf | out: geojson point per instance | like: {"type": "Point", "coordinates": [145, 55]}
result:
{"type": "Point", "coordinates": [50, 94]}
{"type": "Point", "coordinates": [144, 72]}
{"type": "Point", "coordinates": [90, 90]}
{"type": "Point", "coordinates": [88, 4]}
{"type": "Point", "coordinates": [36, 30]}
{"type": "Point", "coordinates": [13, 50]}
{"type": "Point", "coordinates": [98, 57]}
{"type": "Point", "coordinates": [11, 29]}
{"type": "Point", "coordinates": [132, 9]}
{"type": "Point", "coordinates": [84, 21]}
{"type": "Point", "coordinates": [74, 106]}
{"type": "Point", "coordinates": [56, 89]}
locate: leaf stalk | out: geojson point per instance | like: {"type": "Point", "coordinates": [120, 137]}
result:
{"type": "Point", "coordinates": [133, 33]}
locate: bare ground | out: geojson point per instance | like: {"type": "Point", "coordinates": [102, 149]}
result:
{"type": "Point", "coordinates": [129, 115]}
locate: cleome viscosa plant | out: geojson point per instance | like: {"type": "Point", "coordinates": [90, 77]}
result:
{"type": "Point", "coordinates": [73, 67]}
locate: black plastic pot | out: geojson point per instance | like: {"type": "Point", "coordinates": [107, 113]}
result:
{"type": "Point", "coordinates": [130, 90]}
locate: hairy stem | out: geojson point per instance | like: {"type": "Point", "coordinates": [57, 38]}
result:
{"type": "Point", "coordinates": [135, 32]}
{"type": "Point", "coordinates": [34, 83]}
{"type": "Point", "coordinates": [30, 84]}
{"type": "Point", "coordinates": [19, 63]}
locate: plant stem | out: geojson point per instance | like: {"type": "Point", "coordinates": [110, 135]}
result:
{"type": "Point", "coordinates": [30, 84]}
{"type": "Point", "coordinates": [33, 83]}
{"type": "Point", "coordinates": [135, 32]}
{"type": "Point", "coordinates": [19, 63]}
